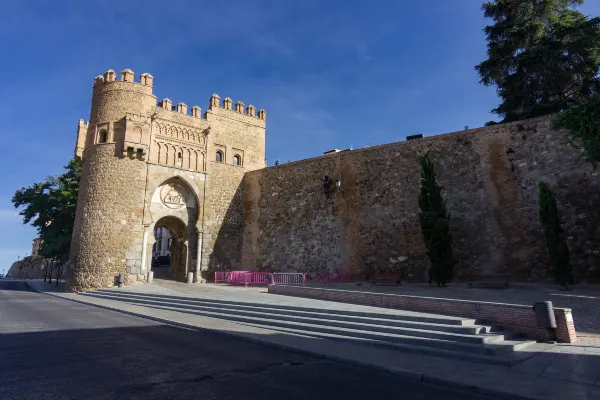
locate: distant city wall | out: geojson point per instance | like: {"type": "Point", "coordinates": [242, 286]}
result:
{"type": "Point", "coordinates": [371, 220]}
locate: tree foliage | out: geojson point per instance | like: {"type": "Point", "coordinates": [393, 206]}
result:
{"type": "Point", "coordinates": [555, 237]}
{"type": "Point", "coordinates": [49, 206]}
{"type": "Point", "coordinates": [582, 120]}
{"type": "Point", "coordinates": [435, 223]}
{"type": "Point", "coordinates": [543, 56]}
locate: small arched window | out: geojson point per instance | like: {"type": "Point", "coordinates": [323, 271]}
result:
{"type": "Point", "coordinates": [103, 136]}
{"type": "Point", "coordinates": [219, 157]}
{"type": "Point", "coordinates": [237, 160]}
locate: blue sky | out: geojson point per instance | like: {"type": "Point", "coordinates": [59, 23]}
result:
{"type": "Point", "coordinates": [330, 74]}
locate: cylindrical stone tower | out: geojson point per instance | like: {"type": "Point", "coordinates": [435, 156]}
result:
{"type": "Point", "coordinates": [108, 231]}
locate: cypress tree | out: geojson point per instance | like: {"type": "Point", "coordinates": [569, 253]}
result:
{"type": "Point", "coordinates": [435, 224]}
{"type": "Point", "coordinates": [555, 237]}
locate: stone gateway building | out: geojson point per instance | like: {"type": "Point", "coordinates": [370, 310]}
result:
{"type": "Point", "coordinates": [149, 166]}
{"type": "Point", "coordinates": [202, 177]}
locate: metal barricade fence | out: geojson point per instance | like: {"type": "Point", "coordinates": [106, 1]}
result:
{"type": "Point", "coordinates": [258, 278]}
{"type": "Point", "coordinates": [288, 278]}
{"type": "Point", "coordinates": [222, 276]}
{"type": "Point", "coordinates": [238, 277]}
{"type": "Point", "coordinates": [266, 278]}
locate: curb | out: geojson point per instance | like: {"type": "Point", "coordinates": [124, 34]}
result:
{"type": "Point", "coordinates": [395, 371]}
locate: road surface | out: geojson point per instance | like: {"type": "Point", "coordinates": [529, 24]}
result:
{"type": "Point", "coordinates": [57, 349]}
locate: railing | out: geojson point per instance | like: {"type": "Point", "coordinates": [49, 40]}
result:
{"type": "Point", "coordinates": [278, 278]}
{"type": "Point", "coordinates": [258, 278]}
{"type": "Point", "coordinates": [288, 278]}
{"type": "Point", "coordinates": [222, 276]}
{"type": "Point", "coordinates": [238, 277]}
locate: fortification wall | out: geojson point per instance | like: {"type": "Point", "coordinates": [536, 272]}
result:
{"type": "Point", "coordinates": [372, 219]}
{"type": "Point", "coordinates": [31, 267]}
{"type": "Point", "coordinates": [224, 215]}
{"type": "Point", "coordinates": [112, 99]}
{"type": "Point", "coordinates": [108, 231]}
{"type": "Point", "coordinates": [238, 132]}
{"type": "Point", "coordinates": [129, 148]}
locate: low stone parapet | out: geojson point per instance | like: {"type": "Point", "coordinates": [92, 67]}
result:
{"type": "Point", "coordinates": [515, 317]}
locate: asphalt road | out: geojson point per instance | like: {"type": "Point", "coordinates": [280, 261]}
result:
{"type": "Point", "coordinates": [57, 349]}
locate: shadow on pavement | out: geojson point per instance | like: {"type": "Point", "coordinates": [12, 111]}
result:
{"type": "Point", "coordinates": [160, 362]}
{"type": "Point", "coordinates": [22, 286]}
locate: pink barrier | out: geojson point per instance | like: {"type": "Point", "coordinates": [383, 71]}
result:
{"type": "Point", "coordinates": [258, 278]}
{"type": "Point", "coordinates": [238, 277]}
{"type": "Point", "coordinates": [244, 278]}
{"type": "Point", "coordinates": [278, 278]}
{"type": "Point", "coordinates": [222, 276]}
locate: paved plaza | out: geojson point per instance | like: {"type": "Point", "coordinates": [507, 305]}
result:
{"type": "Point", "coordinates": [584, 300]}
{"type": "Point", "coordinates": [561, 372]}
{"type": "Point", "coordinates": [52, 348]}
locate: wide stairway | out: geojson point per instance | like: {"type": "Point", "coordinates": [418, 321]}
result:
{"type": "Point", "coordinates": [402, 331]}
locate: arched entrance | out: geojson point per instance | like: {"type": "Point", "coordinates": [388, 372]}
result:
{"type": "Point", "coordinates": [173, 240]}
{"type": "Point", "coordinates": [170, 250]}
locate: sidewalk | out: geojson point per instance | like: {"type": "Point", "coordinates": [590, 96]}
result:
{"type": "Point", "coordinates": [538, 378]}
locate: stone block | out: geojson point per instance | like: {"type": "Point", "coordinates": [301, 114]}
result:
{"type": "Point", "coordinates": [133, 255]}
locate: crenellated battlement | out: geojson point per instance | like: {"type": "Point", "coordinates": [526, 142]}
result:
{"type": "Point", "coordinates": [127, 75]}
{"type": "Point", "coordinates": [180, 108]}
{"type": "Point", "coordinates": [147, 80]}
{"type": "Point", "coordinates": [250, 111]}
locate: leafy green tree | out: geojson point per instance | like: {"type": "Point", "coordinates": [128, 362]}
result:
{"type": "Point", "coordinates": [49, 206]}
{"type": "Point", "coordinates": [582, 120]}
{"type": "Point", "coordinates": [555, 237]}
{"type": "Point", "coordinates": [435, 224]}
{"type": "Point", "coordinates": [543, 56]}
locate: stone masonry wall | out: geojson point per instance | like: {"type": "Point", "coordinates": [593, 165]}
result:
{"type": "Point", "coordinates": [373, 219]}
{"type": "Point", "coordinates": [224, 216]}
{"type": "Point", "coordinates": [232, 133]}
{"type": "Point", "coordinates": [108, 229]}
{"type": "Point", "coordinates": [31, 267]}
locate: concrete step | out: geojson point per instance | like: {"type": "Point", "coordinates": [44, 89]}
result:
{"type": "Point", "coordinates": [480, 344]}
{"type": "Point", "coordinates": [285, 310]}
{"type": "Point", "coordinates": [377, 324]}
{"type": "Point", "coordinates": [508, 359]}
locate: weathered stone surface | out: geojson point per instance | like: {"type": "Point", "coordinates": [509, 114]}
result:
{"type": "Point", "coordinates": [373, 218]}
{"type": "Point", "coordinates": [32, 267]}
{"type": "Point", "coordinates": [132, 152]}
{"type": "Point", "coordinates": [246, 216]}
{"type": "Point", "coordinates": [111, 188]}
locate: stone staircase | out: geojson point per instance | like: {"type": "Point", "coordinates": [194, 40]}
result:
{"type": "Point", "coordinates": [402, 331]}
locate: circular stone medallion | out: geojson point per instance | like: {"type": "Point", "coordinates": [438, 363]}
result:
{"type": "Point", "coordinates": [173, 195]}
